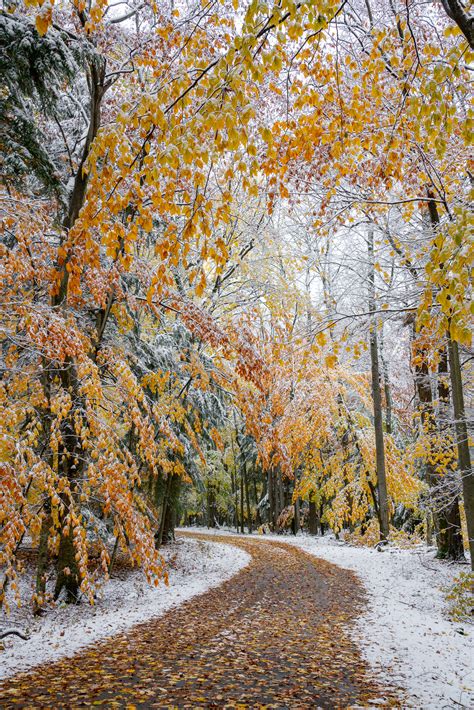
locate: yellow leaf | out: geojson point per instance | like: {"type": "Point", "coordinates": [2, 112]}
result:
{"type": "Point", "coordinates": [42, 23]}
{"type": "Point", "coordinates": [321, 339]}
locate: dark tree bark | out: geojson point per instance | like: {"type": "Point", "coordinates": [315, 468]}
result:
{"type": "Point", "coordinates": [170, 510]}
{"type": "Point", "coordinates": [460, 424]}
{"type": "Point", "coordinates": [211, 505]}
{"type": "Point", "coordinates": [280, 492]}
{"type": "Point", "coordinates": [322, 526]}
{"type": "Point", "coordinates": [387, 388]}
{"type": "Point", "coordinates": [242, 521]}
{"type": "Point", "coordinates": [464, 457]}
{"type": "Point", "coordinates": [68, 575]}
{"type": "Point", "coordinates": [247, 497]}
{"type": "Point", "coordinates": [456, 10]}
{"type": "Point", "coordinates": [313, 518]}
{"type": "Point", "coordinates": [296, 519]}
{"type": "Point", "coordinates": [258, 517]}
{"type": "Point", "coordinates": [272, 518]}
{"type": "Point", "coordinates": [42, 561]}
{"type": "Point", "coordinates": [449, 542]}
{"type": "Point", "coordinates": [383, 511]}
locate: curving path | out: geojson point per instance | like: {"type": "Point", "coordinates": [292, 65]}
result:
{"type": "Point", "coordinates": [275, 635]}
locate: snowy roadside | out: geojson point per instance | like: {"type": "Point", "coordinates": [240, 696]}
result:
{"type": "Point", "coordinates": [405, 633]}
{"type": "Point", "coordinates": [196, 566]}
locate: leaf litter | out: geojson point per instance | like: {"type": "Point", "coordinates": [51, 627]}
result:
{"type": "Point", "coordinates": [276, 635]}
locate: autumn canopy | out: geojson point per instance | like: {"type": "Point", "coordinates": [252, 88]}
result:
{"type": "Point", "coordinates": [235, 270]}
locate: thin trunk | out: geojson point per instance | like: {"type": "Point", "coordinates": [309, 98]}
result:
{"type": "Point", "coordinates": [296, 520]}
{"type": "Point", "coordinates": [321, 524]}
{"type": "Point", "coordinates": [42, 562]}
{"type": "Point", "coordinates": [387, 388]}
{"type": "Point", "coordinates": [450, 543]}
{"type": "Point", "coordinates": [377, 401]}
{"type": "Point", "coordinates": [164, 507]}
{"type": "Point", "coordinates": [271, 498]}
{"type": "Point", "coordinates": [462, 441]}
{"type": "Point", "coordinates": [235, 489]}
{"type": "Point", "coordinates": [425, 405]}
{"type": "Point", "coordinates": [247, 498]}
{"type": "Point", "coordinates": [242, 521]}
{"type": "Point", "coordinates": [429, 528]}
{"type": "Point", "coordinates": [114, 554]}
{"type": "Point", "coordinates": [168, 523]}
{"type": "Point", "coordinates": [68, 574]}
{"type": "Point", "coordinates": [313, 518]}
{"type": "Point", "coordinates": [280, 493]}
{"type": "Point", "coordinates": [258, 518]}
{"type": "Point", "coordinates": [211, 505]}
{"type": "Point", "coordinates": [460, 425]}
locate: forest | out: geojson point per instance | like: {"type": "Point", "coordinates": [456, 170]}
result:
{"type": "Point", "coordinates": [236, 295]}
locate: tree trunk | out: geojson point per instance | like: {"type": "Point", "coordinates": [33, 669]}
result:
{"type": "Point", "coordinates": [258, 518]}
{"type": "Point", "coordinates": [321, 524]}
{"type": "Point", "coordinates": [211, 505]}
{"type": "Point", "coordinates": [68, 574]}
{"type": "Point", "coordinates": [449, 542]}
{"type": "Point", "coordinates": [460, 425]}
{"type": "Point", "coordinates": [247, 498]}
{"type": "Point", "coordinates": [313, 518]}
{"type": "Point", "coordinates": [441, 519]}
{"type": "Point", "coordinates": [458, 11]}
{"type": "Point", "coordinates": [42, 561]}
{"type": "Point", "coordinates": [271, 498]}
{"type": "Point", "coordinates": [170, 509]}
{"type": "Point", "coordinates": [280, 493]}
{"type": "Point", "coordinates": [387, 388]}
{"type": "Point", "coordinates": [296, 519]}
{"type": "Point", "coordinates": [242, 520]}
{"type": "Point", "coordinates": [429, 528]}
{"type": "Point", "coordinates": [462, 441]}
{"type": "Point", "coordinates": [384, 520]}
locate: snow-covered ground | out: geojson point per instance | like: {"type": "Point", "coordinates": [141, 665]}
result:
{"type": "Point", "coordinates": [405, 633]}
{"type": "Point", "coordinates": [195, 566]}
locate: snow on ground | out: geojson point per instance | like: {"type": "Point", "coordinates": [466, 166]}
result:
{"type": "Point", "coordinates": [405, 633]}
{"type": "Point", "coordinates": [195, 567]}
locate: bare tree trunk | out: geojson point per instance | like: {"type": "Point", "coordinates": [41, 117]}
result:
{"type": "Point", "coordinates": [450, 543]}
{"type": "Point", "coordinates": [67, 569]}
{"type": "Point", "coordinates": [258, 518]}
{"type": "Point", "coordinates": [211, 504]}
{"type": "Point", "coordinates": [170, 508]}
{"type": "Point", "coordinates": [425, 404]}
{"type": "Point", "coordinates": [460, 425]}
{"type": "Point", "coordinates": [386, 387]}
{"type": "Point", "coordinates": [296, 520]}
{"type": "Point", "coordinates": [280, 493]}
{"type": "Point", "coordinates": [247, 498]}
{"type": "Point", "coordinates": [164, 506]}
{"type": "Point", "coordinates": [377, 401]}
{"type": "Point", "coordinates": [42, 561]}
{"type": "Point", "coordinates": [313, 518]}
{"type": "Point", "coordinates": [271, 498]}
{"type": "Point", "coordinates": [242, 519]}
{"type": "Point", "coordinates": [464, 457]}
